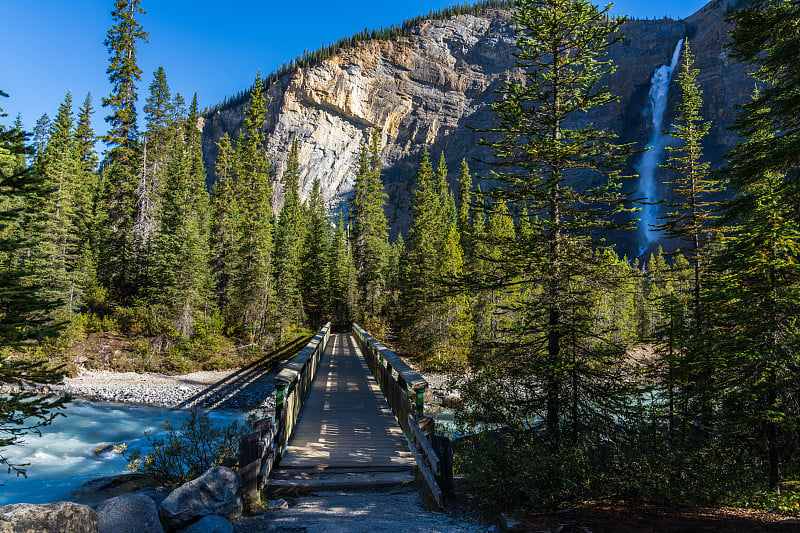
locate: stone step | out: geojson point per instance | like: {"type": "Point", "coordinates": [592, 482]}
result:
{"type": "Point", "coordinates": [297, 482]}
{"type": "Point", "coordinates": [285, 470]}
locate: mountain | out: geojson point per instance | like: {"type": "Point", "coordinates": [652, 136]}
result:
{"type": "Point", "coordinates": [433, 89]}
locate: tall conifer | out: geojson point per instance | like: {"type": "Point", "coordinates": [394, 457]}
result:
{"type": "Point", "coordinates": [539, 158]}
{"type": "Point", "coordinates": [315, 254]}
{"type": "Point", "coordinates": [23, 311]}
{"type": "Point", "coordinates": [251, 223]}
{"type": "Point", "coordinates": [289, 237]}
{"type": "Point", "coordinates": [370, 230]}
{"type": "Point", "coordinates": [123, 164]}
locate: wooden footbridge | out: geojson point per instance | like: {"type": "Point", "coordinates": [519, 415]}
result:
{"type": "Point", "coordinates": [349, 414]}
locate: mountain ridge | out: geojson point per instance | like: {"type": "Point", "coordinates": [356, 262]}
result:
{"type": "Point", "coordinates": [433, 89]}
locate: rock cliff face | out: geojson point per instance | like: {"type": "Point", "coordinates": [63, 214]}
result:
{"type": "Point", "coordinates": [433, 90]}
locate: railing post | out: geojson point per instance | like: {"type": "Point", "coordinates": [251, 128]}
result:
{"type": "Point", "coordinates": [420, 401]}
{"type": "Point", "coordinates": [280, 391]}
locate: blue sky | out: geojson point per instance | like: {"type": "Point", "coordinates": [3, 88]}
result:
{"type": "Point", "coordinates": [212, 47]}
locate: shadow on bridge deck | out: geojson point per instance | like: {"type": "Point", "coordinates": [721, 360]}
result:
{"type": "Point", "coordinates": [346, 434]}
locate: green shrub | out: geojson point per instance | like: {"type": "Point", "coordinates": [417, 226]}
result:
{"type": "Point", "coordinates": [185, 454]}
{"type": "Point", "coordinates": [640, 462]}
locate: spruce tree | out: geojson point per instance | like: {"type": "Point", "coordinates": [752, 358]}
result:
{"type": "Point", "coordinates": [57, 255]}
{"type": "Point", "coordinates": [200, 200]}
{"type": "Point", "coordinates": [85, 196]}
{"type": "Point", "coordinates": [224, 209]}
{"type": "Point", "coordinates": [157, 144]}
{"type": "Point", "coordinates": [421, 262]}
{"type": "Point", "coordinates": [159, 110]}
{"type": "Point", "coordinates": [180, 281]}
{"type": "Point", "coordinates": [251, 223]}
{"type": "Point", "coordinates": [566, 178]}
{"type": "Point", "coordinates": [123, 162]}
{"type": "Point", "coordinates": [23, 311]}
{"type": "Point", "coordinates": [464, 203]}
{"type": "Point", "coordinates": [41, 133]}
{"type": "Point", "coordinates": [765, 34]}
{"type": "Point", "coordinates": [370, 230]}
{"type": "Point", "coordinates": [315, 259]}
{"type": "Point", "coordinates": [689, 219]}
{"type": "Point", "coordinates": [289, 237]}
{"type": "Point", "coordinates": [691, 215]}
{"type": "Point", "coordinates": [342, 277]}
{"type": "Point", "coordinates": [754, 302]}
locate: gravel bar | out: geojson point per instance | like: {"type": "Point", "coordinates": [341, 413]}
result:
{"type": "Point", "coordinates": [226, 389]}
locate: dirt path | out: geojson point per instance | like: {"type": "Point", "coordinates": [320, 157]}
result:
{"type": "Point", "coordinates": [359, 512]}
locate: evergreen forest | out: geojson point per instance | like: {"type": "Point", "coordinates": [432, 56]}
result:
{"type": "Point", "coordinates": [582, 374]}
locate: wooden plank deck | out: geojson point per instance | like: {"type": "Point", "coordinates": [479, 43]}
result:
{"type": "Point", "coordinates": [346, 434]}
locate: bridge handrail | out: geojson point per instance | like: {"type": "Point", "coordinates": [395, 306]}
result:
{"type": "Point", "coordinates": [292, 385]}
{"type": "Point", "coordinates": [384, 364]}
{"type": "Point", "coordinates": [407, 376]}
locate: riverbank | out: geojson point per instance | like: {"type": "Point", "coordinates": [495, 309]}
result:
{"type": "Point", "coordinates": [245, 389]}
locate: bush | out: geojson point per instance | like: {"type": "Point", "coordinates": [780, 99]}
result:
{"type": "Point", "coordinates": [635, 461]}
{"type": "Point", "coordinates": [183, 455]}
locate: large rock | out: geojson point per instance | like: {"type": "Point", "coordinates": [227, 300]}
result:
{"type": "Point", "coordinates": [217, 492]}
{"type": "Point", "coordinates": [60, 517]}
{"type": "Point", "coordinates": [210, 524]}
{"type": "Point", "coordinates": [129, 513]}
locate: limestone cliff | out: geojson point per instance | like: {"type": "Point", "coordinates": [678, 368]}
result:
{"type": "Point", "coordinates": [434, 89]}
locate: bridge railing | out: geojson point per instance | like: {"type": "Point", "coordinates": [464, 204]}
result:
{"type": "Point", "coordinates": [402, 386]}
{"type": "Point", "coordinates": [404, 390]}
{"type": "Point", "coordinates": [259, 451]}
{"type": "Point", "coordinates": [292, 385]}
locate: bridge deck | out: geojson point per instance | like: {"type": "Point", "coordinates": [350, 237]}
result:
{"type": "Point", "coordinates": [345, 426]}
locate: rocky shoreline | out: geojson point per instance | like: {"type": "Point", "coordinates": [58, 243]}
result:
{"type": "Point", "coordinates": [226, 389]}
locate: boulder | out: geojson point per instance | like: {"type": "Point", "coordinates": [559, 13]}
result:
{"type": "Point", "coordinates": [129, 513]}
{"type": "Point", "coordinates": [210, 524]}
{"type": "Point", "coordinates": [59, 517]}
{"type": "Point", "coordinates": [217, 492]}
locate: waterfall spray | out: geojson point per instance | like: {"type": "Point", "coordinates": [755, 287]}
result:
{"type": "Point", "coordinates": [647, 188]}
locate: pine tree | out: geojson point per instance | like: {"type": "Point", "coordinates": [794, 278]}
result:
{"type": "Point", "coordinates": [765, 34]}
{"type": "Point", "coordinates": [561, 48]}
{"type": "Point", "coordinates": [370, 230]}
{"type": "Point", "coordinates": [315, 264]}
{"type": "Point", "coordinates": [342, 277]}
{"type": "Point", "coordinates": [224, 210]}
{"type": "Point", "coordinates": [464, 204]}
{"type": "Point", "coordinates": [689, 219]}
{"type": "Point", "coordinates": [251, 223]}
{"type": "Point", "coordinates": [755, 302]}
{"type": "Point", "coordinates": [123, 164]}
{"type": "Point", "coordinates": [23, 311]}
{"type": "Point", "coordinates": [289, 237]}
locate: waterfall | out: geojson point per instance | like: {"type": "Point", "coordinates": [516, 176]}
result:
{"type": "Point", "coordinates": [647, 188]}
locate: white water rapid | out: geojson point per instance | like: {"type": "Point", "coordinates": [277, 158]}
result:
{"type": "Point", "coordinates": [72, 449]}
{"type": "Point", "coordinates": [648, 186]}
